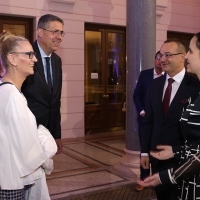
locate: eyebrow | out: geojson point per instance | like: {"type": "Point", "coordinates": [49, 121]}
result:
{"type": "Point", "coordinates": [57, 30]}
{"type": "Point", "coordinates": [166, 52]}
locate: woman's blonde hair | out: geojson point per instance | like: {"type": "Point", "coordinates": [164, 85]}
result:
{"type": "Point", "coordinates": [8, 43]}
{"type": "Point", "coordinates": [4, 36]}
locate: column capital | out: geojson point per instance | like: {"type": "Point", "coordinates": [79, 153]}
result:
{"type": "Point", "coordinates": [65, 6]}
{"type": "Point", "coordinates": [161, 5]}
{"type": "Point", "coordinates": [65, 1]}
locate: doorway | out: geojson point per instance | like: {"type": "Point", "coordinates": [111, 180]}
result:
{"type": "Point", "coordinates": [105, 78]}
{"type": "Point", "coordinates": [19, 26]}
{"type": "Point", "coordinates": [184, 37]}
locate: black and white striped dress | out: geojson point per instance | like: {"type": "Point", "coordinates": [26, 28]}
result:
{"type": "Point", "coordinates": [187, 176]}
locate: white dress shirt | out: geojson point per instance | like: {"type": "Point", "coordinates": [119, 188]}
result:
{"type": "Point", "coordinates": [43, 55]}
{"type": "Point", "coordinates": [175, 85]}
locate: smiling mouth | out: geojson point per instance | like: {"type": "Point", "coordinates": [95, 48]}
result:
{"type": "Point", "coordinates": [56, 42]}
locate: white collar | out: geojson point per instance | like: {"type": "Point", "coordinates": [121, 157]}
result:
{"type": "Point", "coordinates": [178, 77]}
{"type": "Point", "coordinates": [154, 72]}
{"type": "Point", "coordinates": [42, 53]}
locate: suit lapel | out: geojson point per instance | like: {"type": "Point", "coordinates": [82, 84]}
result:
{"type": "Point", "coordinates": [54, 72]}
{"type": "Point", "coordinates": [180, 94]}
{"type": "Point", "coordinates": [152, 74]}
{"type": "Point", "coordinates": [40, 68]}
{"type": "Point", "coordinates": [159, 95]}
{"type": "Point", "coordinates": [39, 63]}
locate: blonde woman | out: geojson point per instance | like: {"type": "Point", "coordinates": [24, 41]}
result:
{"type": "Point", "coordinates": [21, 155]}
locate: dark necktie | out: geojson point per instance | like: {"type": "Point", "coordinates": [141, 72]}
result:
{"type": "Point", "coordinates": [167, 95]}
{"type": "Point", "coordinates": [49, 82]}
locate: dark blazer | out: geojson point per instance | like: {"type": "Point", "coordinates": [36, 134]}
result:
{"type": "Point", "coordinates": [159, 129]}
{"type": "Point", "coordinates": [44, 106]}
{"type": "Point", "coordinates": [140, 92]}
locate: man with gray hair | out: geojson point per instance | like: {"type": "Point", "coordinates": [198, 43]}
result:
{"type": "Point", "coordinates": [43, 89]}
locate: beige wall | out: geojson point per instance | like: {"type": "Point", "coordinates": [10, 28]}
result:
{"type": "Point", "coordinates": [173, 15]}
{"type": "Point", "coordinates": [179, 15]}
{"type": "Point", "coordinates": [72, 48]}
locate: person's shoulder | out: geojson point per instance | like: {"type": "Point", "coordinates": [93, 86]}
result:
{"type": "Point", "coordinates": [56, 56]}
{"type": "Point", "coordinates": [9, 90]}
{"type": "Point", "coordinates": [145, 71]}
{"type": "Point", "coordinates": [159, 80]}
{"type": "Point", "coordinates": [192, 78]}
{"type": "Point", "coordinates": [35, 45]}
{"type": "Point", "coordinates": [8, 86]}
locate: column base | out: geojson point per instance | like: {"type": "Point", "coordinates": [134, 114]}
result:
{"type": "Point", "coordinates": [129, 164]}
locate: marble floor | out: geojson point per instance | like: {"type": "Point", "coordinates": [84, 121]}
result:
{"type": "Point", "coordinates": [87, 165]}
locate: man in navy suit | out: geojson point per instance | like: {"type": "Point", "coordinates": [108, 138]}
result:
{"type": "Point", "coordinates": [43, 89]}
{"type": "Point", "coordinates": [139, 97]}
{"type": "Point", "coordinates": [161, 125]}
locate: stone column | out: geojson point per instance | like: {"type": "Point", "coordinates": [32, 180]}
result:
{"type": "Point", "coordinates": [141, 48]}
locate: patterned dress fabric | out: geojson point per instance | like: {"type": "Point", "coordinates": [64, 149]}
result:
{"type": "Point", "coordinates": [189, 189]}
{"type": "Point", "coordinates": [12, 194]}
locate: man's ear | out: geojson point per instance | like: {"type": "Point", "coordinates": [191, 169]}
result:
{"type": "Point", "coordinates": [40, 32]}
{"type": "Point", "coordinates": [12, 60]}
{"type": "Point", "coordinates": [183, 57]}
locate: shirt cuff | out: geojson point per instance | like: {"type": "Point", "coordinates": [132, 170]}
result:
{"type": "Point", "coordinates": [144, 154]}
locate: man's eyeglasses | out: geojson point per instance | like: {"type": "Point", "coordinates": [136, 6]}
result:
{"type": "Point", "coordinates": [30, 53]}
{"type": "Point", "coordinates": [166, 55]}
{"type": "Point", "coordinates": [55, 32]}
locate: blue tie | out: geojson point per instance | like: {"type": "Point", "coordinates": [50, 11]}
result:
{"type": "Point", "coordinates": [49, 82]}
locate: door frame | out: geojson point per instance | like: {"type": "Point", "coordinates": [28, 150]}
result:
{"type": "Point", "coordinates": [106, 28]}
{"type": "Point", "coordinates": [15, 20]}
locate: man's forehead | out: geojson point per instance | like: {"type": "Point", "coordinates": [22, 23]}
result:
{"type": "Point", "coordinates": [55, 24]}
{"type": "Point", "coordinates": [168, 47]}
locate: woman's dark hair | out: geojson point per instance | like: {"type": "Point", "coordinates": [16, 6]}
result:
{"type": "Point", "coordinates": [197, 35]}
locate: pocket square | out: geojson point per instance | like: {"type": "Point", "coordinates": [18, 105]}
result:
{"type": "Point", "coordinates": [183, 101]}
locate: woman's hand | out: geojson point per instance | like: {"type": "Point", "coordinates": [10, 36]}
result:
{"type": "Point", "coordinates": [150, 181]}
{"type": "Point", "coordinates": [165, 152]}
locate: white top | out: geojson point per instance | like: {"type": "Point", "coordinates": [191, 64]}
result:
{"type": "Point", "coordinates": [20, 151]}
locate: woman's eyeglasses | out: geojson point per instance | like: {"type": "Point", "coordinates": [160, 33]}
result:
{"type": "Point", "coordinates": [30, 53]}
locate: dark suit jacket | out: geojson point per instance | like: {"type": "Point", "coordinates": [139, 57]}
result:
{"type": "Point", "coordinates": [45, 107]}
{"type": "Point", "coordinates": [140, 92]}
{"type": "Point", "coordinates": [159, 129]}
